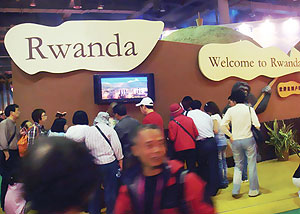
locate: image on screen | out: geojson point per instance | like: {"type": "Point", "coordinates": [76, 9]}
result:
{"type": "Point", "coordinates": [124, 87]}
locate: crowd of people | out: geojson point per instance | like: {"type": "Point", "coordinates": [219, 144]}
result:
{"type": "Point", "coordinates": [139, 168]}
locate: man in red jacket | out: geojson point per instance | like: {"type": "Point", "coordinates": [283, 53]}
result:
{"type": "Point", "coordinates": [183, 133]}
{"type": "Point", "coordinates": [157, 186]}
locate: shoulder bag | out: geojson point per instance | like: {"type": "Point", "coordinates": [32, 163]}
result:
{"type": "Point", "coordinates": [256, 132]}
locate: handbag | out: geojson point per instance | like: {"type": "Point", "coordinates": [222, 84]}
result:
{"type": "Point", "coordinates": [118, 174]}
{"type": "Point", "coordinates": [256, 132]}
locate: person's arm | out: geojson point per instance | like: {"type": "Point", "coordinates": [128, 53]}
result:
{"type": "Point", "coordinates": [254, 118]}
{"type": "Point", "coordinates": [194, 194]}
{"type": "Point", "coordinates": [123, 203]}
{"type": "Point", "coordinates": [225, 125]}
{"type": "Point", "coordinates": [172, 131]}
{"type": "Point", "coordinates": [215, 126]}
{"type": "Point", "coordinates": [4, 140]}
{"type": "Point", "coordinates": [195, 130]}
{"type": "Point", "coordinates": [116, 145]}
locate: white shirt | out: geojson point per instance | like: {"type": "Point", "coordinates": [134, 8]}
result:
{"type": "Point", "coordinates": [97, 144]}
{"type": "Point", "coordinates": [77, 133]}
{"type": "Point", "coordinates": [239, 116]}
{"type": "Point", "coordinates": [203, 122]}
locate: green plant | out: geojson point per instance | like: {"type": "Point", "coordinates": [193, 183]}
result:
{"type": "Point", "coordinates": [282, 138]}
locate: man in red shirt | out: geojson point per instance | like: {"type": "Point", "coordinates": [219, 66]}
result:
{"type": "Point", "coordinates": [183, 132]}
{"type": "Point", "coordinates": [151, 116]}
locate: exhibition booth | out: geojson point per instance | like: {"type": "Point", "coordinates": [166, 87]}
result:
{"type": "Point", "coordinates": [55, 71]}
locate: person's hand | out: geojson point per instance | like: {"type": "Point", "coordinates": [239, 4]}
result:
{"type": "Point", "coordinates": [266, 89]}
{"type": "Point", "coordinates": [6, 154]}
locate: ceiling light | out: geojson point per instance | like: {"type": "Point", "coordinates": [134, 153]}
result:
{"type": "Point", "coordinates": [32, 3]}
{"type": "Point", "coordinates": [100, 5]}
{"type": "Point", "coordinates": [77, 4]}
{"type": "Point", "coordinates": [291, 26]}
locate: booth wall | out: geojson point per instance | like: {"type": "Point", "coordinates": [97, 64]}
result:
{"type": "Point", "coordinates": [176, 74]}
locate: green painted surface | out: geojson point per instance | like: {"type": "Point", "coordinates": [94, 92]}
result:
{"type": "Point", "coordinates": [207, 34]}
{"type": "Point", "coordinates": [297, 211]}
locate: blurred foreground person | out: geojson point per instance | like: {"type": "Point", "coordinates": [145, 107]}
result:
{"type": "Point", "coordinates": [156, 186]}
{"type": "Point", "coordinates": [59, 176]}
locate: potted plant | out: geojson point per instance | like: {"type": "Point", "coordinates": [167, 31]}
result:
{"type": "Point", "coordinates": [283, 139]}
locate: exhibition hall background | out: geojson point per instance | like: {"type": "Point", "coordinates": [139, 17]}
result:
{"type": "Point", "coordinates": [176, 74]}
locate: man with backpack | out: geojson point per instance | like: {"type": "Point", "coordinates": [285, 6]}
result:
{"type": "Point", "coordinates": [157, 186]}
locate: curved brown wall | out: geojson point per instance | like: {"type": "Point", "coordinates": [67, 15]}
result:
{"type": "Point", "coordinates": [176, 73]}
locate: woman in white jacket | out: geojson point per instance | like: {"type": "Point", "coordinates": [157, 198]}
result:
{"type": "Point", "coordinates": [241, 117]}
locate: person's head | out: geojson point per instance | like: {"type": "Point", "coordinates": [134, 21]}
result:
{"type": "Point", "coordinates": [238, 96]}
{"type": "Point", "coordinates": [146, 105]}
{"type": "Point", "coordinates": [59, 125]}
{"type": "Point", "coordinates": [26, 124]}
{"type": "Point", "coordinates": [211, 108]}
{"type": "Point", "coordinates": [175, 110]}
{"type": "Point", "coordinates": [196, 104]}
{"type": "Point", "coordinates": [148, 145]}
{"type": "Point", "coordinates": [102, 118]}
{"type": "Point", "coordinates": [110, 109]}
{"type": "Point", "coordinates": [39, 115]}
{"type": "Point", "coordinates": [80, 118]}
{"type": "Point", "coordinates": [186, 102]}
{"type": "Point", "coordinates": [231, 102]}
{"type": "Point", "coordinates": [119, 111]}
{"type": "Point", "coordinates": [59, 175]}
{"type": "Point", "coordinates": [12, 111]}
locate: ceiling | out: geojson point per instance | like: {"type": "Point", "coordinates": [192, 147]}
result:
{"type": "Point", "coordinates": [174, 13]}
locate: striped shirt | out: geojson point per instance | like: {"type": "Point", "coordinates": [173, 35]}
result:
{"type": "Point", "coordinates": [97, 144]}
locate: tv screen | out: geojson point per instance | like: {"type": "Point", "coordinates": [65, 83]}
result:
{"type": "Point", "coordinates": [123, 88]}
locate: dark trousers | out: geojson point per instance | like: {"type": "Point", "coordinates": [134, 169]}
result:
{"type": "Point", "coordinates": [111, 188]}
{"type": "Point", "coordinates": [207, 158]}
{"type": "Point", "coordinates": [189, 156]}
{"type": "Point", "coordinates": [7, 169]}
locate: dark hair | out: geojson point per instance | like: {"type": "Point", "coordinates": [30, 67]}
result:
{"type": "Point", "coordinates": [140, 128]}
{"type": "Point", "coordinates": [196, 104]}
{"type": "Point", "coordinates": [186, 102]}
{"type": "Point", "coordinates": [23, 124]}
{"type": "Point", "coordinates": [80, 118]}
{"type": "Point", "coordinates": [37, 114]}
{"type": "Point", "coordinates": [58, 174]}
{"type": "Point", "coordinates": [238, 96]}
{"type": "Point", "coordinates": [58, 125]}
{"type": "Point", "coordinates": [10, 108]}
{"type": "Point", "coordinates": [120, 109]}
{"type": "Point", "coordinates": [212, 108]}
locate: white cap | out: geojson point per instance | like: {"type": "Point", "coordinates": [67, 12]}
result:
{"type": "Point", "coordinates": [147, 101]}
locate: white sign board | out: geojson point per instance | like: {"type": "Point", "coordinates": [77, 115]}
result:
{"type": "Point", "coordinates": [246, 60]}
{"type": "Point", "coordinates": [75, 45]}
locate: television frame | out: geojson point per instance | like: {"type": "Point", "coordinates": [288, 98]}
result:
{"type": "Point", "coordinates": [98, 88]}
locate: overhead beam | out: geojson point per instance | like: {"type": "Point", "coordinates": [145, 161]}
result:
{"type": "Point", "coordinates": [266, 8]}
{"type": "Point", "coordinates": [62, 11]}
{"type": "Point", "coordinates": [149, 4]}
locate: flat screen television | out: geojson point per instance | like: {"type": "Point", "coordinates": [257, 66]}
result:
{"type": "Point", "coordinates": [123, 88]}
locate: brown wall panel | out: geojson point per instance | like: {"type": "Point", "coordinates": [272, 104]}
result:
{"type": "Point", "coordinates": [176, 73]}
